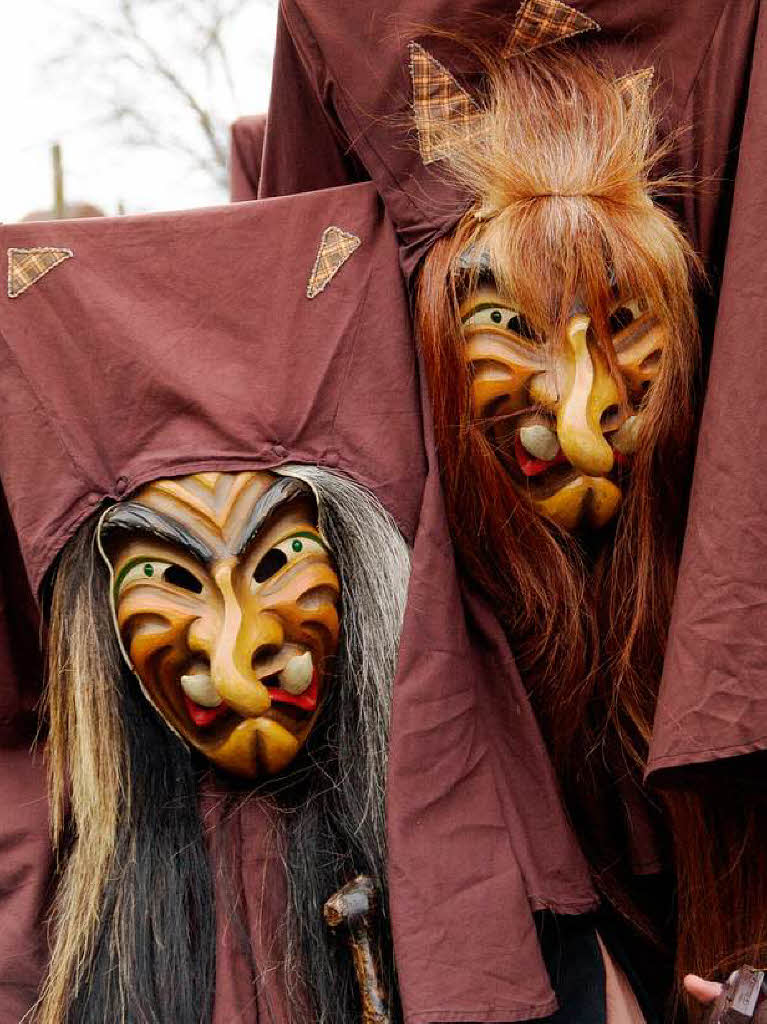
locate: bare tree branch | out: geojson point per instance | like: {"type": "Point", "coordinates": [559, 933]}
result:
{"type": "Point", "coordinates": [163, 72]}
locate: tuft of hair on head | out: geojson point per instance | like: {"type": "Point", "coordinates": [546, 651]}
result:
{"type": "Point", "coordinates": [561, 163]}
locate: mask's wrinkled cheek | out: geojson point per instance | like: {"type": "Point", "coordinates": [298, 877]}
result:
{"type": "Point", "coordinates": [156, 638]}
{"type": "Point", "coordinates": [639, 351]}
{"type": "Point", "coordinates": [307, 604]}
{"type": "Point", "coordinates": [499, 376]}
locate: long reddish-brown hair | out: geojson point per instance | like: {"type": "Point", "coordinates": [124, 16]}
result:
{"type": "Point", "coordinates": [560, 161]}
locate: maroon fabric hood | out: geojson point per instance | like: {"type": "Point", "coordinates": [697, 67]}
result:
{"type": "Point", "coordinates": [246, 141]}
{"type": "Point", "coordinates": [713, 703]}
{"type": "Point", "coordinates": [183, 342]}
{"type": "Point", "coordinates": [350, 105]}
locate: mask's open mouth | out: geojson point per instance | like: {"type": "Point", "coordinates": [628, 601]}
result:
{"type": "Point", "coordinates": [291, 681]}
{"type": "Point", "coordinates": [306, 701]}
{"type": "Point", "coordinates": [531, 466]}
{"type": "Point", "coordinates": [542, 477]}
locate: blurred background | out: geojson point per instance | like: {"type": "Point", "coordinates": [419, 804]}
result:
{"type": "Point", "coordinates": [124, 106]}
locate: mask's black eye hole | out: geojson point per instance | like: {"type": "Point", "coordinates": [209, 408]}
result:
{"type": "Point", "coordinates": [520, 326]}
{"type": "Point", "coordinates": [620, 319]}
{"type": "Point", "coordinates": [178, 576]}
{"type": "Point", "coordinates": [271, 563]}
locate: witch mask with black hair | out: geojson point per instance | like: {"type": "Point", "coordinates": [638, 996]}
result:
{"type": "Point", "coordinates": [259, 613]}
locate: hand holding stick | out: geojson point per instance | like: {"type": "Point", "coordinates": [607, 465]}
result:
{"type": "Point", "coordinates": [741, 999]}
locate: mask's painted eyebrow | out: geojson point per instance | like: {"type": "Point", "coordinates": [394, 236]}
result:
{"type": "Point", "coordinates": [132, 517]}
{"type": "Point", "coordinates": [283, 490]}
{"type": "Point", "coordinates": [309, 536]}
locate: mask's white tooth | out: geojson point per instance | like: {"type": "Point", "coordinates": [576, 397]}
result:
{"type": "Point", "coordinates": [201, 690]}
{"type": "Point", "coordinates": [297, 674]}
{"type": "Point", "coordinates": [539, 441]}
{"type": "Point", "coordinates": [626, 438]}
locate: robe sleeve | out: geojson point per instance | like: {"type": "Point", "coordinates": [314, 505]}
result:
{"type": "Point", "coordinates": [713, 700]}
{"type": "Point", "coordinates": [246, 143]}
{"type": "Point", "coordinates": [304, 147]}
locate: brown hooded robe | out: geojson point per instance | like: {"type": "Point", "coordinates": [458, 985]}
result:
{"type": "Point", "coordinates": [175, 343]}
{"type": "Point", "coordinates": [246, 142]}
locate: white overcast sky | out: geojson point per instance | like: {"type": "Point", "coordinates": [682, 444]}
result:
{"type": "Point", "coordinates": [41, 106]}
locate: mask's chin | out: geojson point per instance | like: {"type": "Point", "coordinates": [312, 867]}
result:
{"type": "Point", "coordinates": [255, 747]}
{"type": "Point", "coordinates": [587, 502]}
{"type": "Point", "coordinates": [559, 491]}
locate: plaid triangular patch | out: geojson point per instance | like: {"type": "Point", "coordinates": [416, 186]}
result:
{"type": "Point", "coordinates": [438, 100]}
{"type": "Point", "coordinates": [336, 246]}
{"type": "Point", "coordinates": [637, 84]}
{"type": "Point", "coordinates": [542, 22]}
{"type": "Point", "coordinates": [27, 266]}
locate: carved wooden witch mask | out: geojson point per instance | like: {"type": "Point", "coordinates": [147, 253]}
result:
{"type": "Point", "coordinates": [225, 599]}
{"type": "Point", "coordinates": [564, 422]}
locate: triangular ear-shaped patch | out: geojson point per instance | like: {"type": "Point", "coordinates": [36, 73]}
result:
{"type": "Point", "coordinates": [542, 22]}
{"type": "Point", "coordinates": [27, 266]}
{"type": "Point", "coordinates": [638, 84]}
{"type": "Point", "coordinates": [336, 246]}
{"type": "Point", "coordinates": [438, 100]}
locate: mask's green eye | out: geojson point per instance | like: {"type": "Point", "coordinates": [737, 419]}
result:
{"type": "Point", "coordinates": [288, 550]}
{"type": "Point", "coordinates": [140, 572]}
{"type": "Point", "coordinates": [301, 544]}
{"type": "Point", "coordinates": [146, 570]}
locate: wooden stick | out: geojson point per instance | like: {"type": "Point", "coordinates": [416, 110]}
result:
{"type": "Point", "coordinates": [355, 906]}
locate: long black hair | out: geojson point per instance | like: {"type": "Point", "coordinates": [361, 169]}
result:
{"type": "Point", "coordinates": [134, 919]}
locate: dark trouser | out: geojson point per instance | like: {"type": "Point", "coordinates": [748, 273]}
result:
{"type": "Point", "coordinates": [576, 968]}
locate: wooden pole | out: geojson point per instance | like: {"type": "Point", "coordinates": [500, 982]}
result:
{"type": "Point", "coordinates": [58, 182]}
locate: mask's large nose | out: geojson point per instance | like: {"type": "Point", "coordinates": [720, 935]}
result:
{"type": "Point", "coordinates": [587, 389]}
{"type": "Point", "coordinates": [242, 637]}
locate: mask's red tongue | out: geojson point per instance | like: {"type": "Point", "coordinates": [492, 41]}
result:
{"type": "Point", "coordinates": [306, 701]}
{"type": "Point", "coordinates": [531, 466]}
{"type": "Point", "coordinates": [203, 716]}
